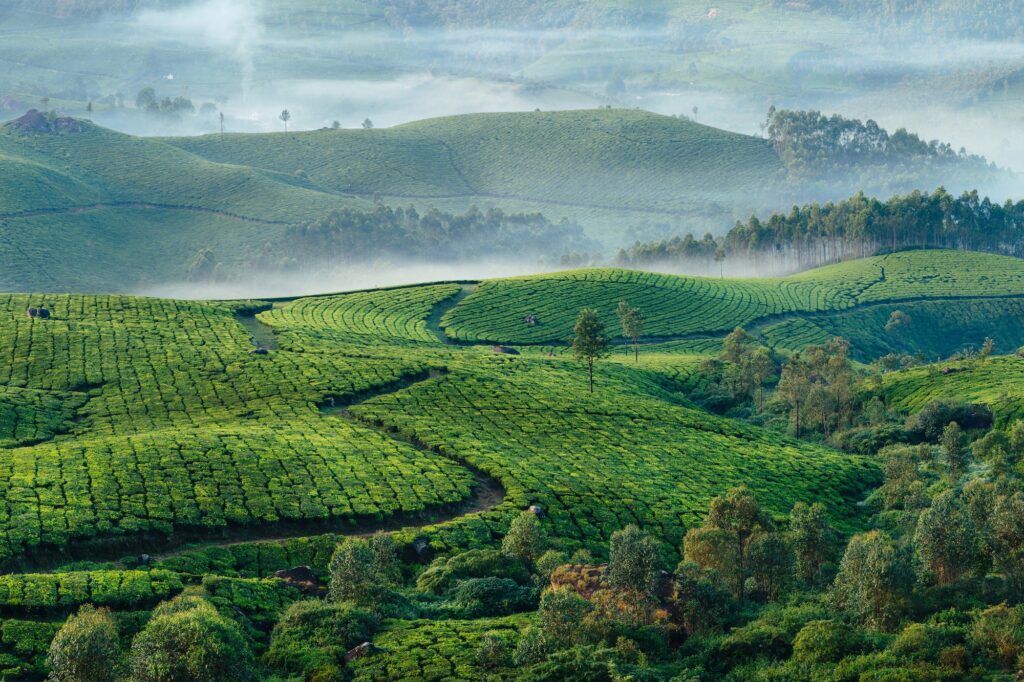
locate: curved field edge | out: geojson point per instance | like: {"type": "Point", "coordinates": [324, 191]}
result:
{"type": "Point", "coordinates": [541, 309]}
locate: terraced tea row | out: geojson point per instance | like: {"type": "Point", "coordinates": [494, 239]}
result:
{"type": "Point", "coordinates": [166, 482]}
{"type": "Point", "coordinates": [934, 328]}
{"type": "Point", "coordinates": [541, 309]}
{"type": "Point", "coordinates": [394, 316]}
{"type": "Point", "coordinates": [624, 455]}
{"type": "Point", "coordinates": [997, 382]}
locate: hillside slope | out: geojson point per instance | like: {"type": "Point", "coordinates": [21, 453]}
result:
{"type": "Point", "coordinates": [615, 159]}
{"type": "Point", "coordinates": [684, 306]}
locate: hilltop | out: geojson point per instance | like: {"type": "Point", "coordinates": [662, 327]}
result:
{"type": "Point", "coordinates": [109, 203]}
{"type": "Point", "coordinates": [126, 213]}
{"type": "Point", "coordinates": [968, 295]}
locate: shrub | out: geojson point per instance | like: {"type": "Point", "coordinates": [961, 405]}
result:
{"type": "Point", "coordinates": [561, 614]}
{"type": "Point", "coordinates": [187, 639]}
{"type": "Point", "coordinates": [444, 573]}
{"type": "Point", "coordinates": [999, 632]}
{"type": "Point", "coordinates": [525, 538]}
{"type": "Point", "coordinates": [478, 597]}
{"type": "Point", "coordinates": [824, 641]}
{"type": "Point", "coordinates": [531, 648]}
{"type": "Point", "coordinates": [86, 649]}
{"type": "Point", "coordinates": [493, 652]}
{"type": "Point", "coordinates": [930, 421]}
{"type": "Point", "coordinates": [312, 636]}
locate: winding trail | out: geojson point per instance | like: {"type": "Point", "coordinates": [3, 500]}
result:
{"type": "Point", "coordinates": [486, 494]}
{"type": "Point", "coordinates": [434, 320]}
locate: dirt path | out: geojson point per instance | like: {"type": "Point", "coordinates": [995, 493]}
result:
{"type": "Point", "coordinates": [434, 321]}
{"type": "Point", "coordinates": [487, 492]}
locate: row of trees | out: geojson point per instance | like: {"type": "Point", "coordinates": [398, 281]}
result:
{"type": "Point", "coordinates": [351, 235]}
{"type": "Point", "coordinates": [815, 234]}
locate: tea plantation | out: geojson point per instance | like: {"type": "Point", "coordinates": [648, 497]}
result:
{"type": "Point", "coordinates": [680, 306]}
{"type": "Point", "coordinates": [135, 426]}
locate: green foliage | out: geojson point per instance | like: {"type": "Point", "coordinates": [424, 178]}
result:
{"type": "Point", "coordinates": [479, 597]}
{"type": "Point", "coordinates": [632, 561]}
{"type": "Point", "coordinates": [444, 573]}
{"type": "Point", "coordinates": [704, 601]}
{"type": "Point", "coordinates": [312, 637]}
{"type": "Point", "coordinates": [87, 648]}
{"type": "Point", "coordinates": [589, 342]}
{"type": "Point", "coordinates": [435, 649]}
{"type": "Point", "coordinates": [874, 580]}
{"type": "Point", "coordinates": [999, 633]}
{"type": "Point", "coordinates": [810, 537]}
{"type": "Point", "coordinates": [525, 538]}
{"type": "Point", "coordinates": [63, 592]}
{"type": "Point", "coordinates": [360, 569]}
{"type": "Point", "coordinates": [187, 639]}
{"type": "Point", "coordinates": [946, 538]}
{"type": "Point", "coordinates": [824, 641]}
{"type": "Point", "coordinates": [561, 615]}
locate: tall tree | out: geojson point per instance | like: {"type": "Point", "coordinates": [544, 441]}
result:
{"type": "Point", "coordinates": [811, 538]}
{"type": "Point", "coordinates": [285, 116]}
{"type": "Point", "coordinates": [874, 580]}
{"type": "Point", "coordinates": [525, 538]}
{"type": "Point", "coordinates": [954, 450]}
{"type": "Point", "coordinates": [946, 539]}
{"type": "Point", "coordinates": [632, 321]}
{"type": "Point", "coordinates": [589, 342]}
{"type": "Point", "coordinates": [632, 560]}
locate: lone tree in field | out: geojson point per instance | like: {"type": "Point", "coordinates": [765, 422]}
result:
{"type": "Point", "coordinates": [589, 342]}
{"type": "Point", "coordinates": [632, 321]}
{"type": "Point", "coordinates": [285, 117]}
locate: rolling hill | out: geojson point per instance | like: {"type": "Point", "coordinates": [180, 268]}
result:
{"type": "Point", "coordinates": [980, 294]}
{"type": "Point", "coordinates": [108, 202]}
{"type": "Point", "coordinates": [231, 440]}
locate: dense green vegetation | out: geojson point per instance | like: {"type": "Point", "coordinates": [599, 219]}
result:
{"type": "Point", "coordinates": [815, 234]}
{"type": "Point", "coordinates": [165, 472]}
{"type": "Point", "coordinates": [85, 208]}
{"type": "Point", "coordinates": [676, 305]}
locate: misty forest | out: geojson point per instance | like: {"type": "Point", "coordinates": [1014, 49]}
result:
{"type": "Point", "coordinates": [527, 340]}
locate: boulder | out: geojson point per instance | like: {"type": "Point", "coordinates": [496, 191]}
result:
{"type": "Point", "coordinates": [259, 351]}
{"type": "Point", "coordinates": [364, 649]}
{"type": "Point", "coordinates": [537, 511]}
{"type": "Point", "coordinates": [303, 579]}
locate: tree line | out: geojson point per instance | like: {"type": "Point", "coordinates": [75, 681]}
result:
{"type": "Point", "coordinates": [816, 234]}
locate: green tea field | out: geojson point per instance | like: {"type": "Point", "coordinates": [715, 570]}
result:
{"type": "Point", "coordinates": [229, 440]}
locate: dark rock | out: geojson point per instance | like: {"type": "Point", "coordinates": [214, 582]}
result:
{"type": "Point", "coordinates": [303, 579]}
{"type": "Point", "coordinates": [419, 550]}
{"type": "Point", "coordinates": [44, 314]}
{"type": "Point", "coordinates": [364, 649]}
{"type": "Point", "coordinates": [259, 351]}
{"type": "Point", "coordinates": [537, 511]}
{"type": "Point", "coordinates": [32, 312]}
{"type": "Point", "coordinates": [505, 350]}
